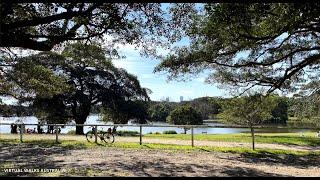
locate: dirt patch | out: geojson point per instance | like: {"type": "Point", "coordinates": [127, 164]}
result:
{"type": "Point", "coordinates": [106, 161]}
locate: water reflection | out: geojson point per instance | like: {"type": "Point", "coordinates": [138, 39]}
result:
{"type": "Point", "coordinates": [94, 119]}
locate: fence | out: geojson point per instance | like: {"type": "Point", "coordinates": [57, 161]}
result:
{"type": "Point", "coordinates": [56, 126]}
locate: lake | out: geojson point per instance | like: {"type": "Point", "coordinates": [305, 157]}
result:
{"type": "Point", "coordinates": [94, 119]}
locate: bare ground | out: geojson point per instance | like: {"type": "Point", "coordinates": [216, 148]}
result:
{"type": "Point", "coordinates": [106, 161]}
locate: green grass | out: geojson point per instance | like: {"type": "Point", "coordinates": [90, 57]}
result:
{"type": "Point", "coordinates": [278, 138]}
{"type": "Point", "coordinates": [74, 144]}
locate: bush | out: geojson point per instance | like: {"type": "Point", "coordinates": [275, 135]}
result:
{"type": "Point", "coordinates": [169, 132]}
{"type": "Point", "coordinates": [157, 133]}
{"type": "Point", "coordinates": [127, 133]}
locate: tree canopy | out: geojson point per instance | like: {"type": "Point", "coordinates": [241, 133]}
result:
{"type": "Point", "coordinates": [184, 115]}
{"type": "Point", "coordinates": [159, 111]}
{"type": "Point", "coordinates": [41, 26]}
{"type": "Point", "coordinates": [85, 77]}
{"type": "Point", "coordinates": [270, 45]}
{"type": "Point", "coordinates": [249, 110]}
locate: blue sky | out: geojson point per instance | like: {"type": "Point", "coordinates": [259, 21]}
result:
{"type": "Point", "coordinates": [161, 88]}
{"type": "Point", "coordinates": [143, 68]}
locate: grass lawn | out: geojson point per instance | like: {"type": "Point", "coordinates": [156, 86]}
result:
{"type": "Point", "coordinates": [83, 144]}
{"type": "Point", "coordinates": [278, 138]}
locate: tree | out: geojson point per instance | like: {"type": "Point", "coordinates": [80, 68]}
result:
{"type": "Point", "coordinates": [280, 111]}
{"type": "Point", "coordinates": [41, 26]}
{"type": "Point", "coordinates": [305, 106]}
{"type": "Point", "coordinates": [184, 115]}
{"type": "Point", "coordinates": [160, 111]}
{"type": "Point", "coordinates": [85, 78]}
{"type": "Point", "coordinates": [206, 106]}
{"type": "Point", "coordinates": [271, 45]}
{"type": "Point", "coordinates": [249, 110]}
{"type": "Point", "coordinates": [122, 111]}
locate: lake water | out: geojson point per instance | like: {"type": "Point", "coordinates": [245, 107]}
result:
{"type": "Point", "coordinates": [94, 119]}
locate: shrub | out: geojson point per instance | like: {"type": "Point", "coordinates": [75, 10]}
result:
{"type": "Point", "coordinates": [169, 132]}
{"type": "Point", "coordinates": [127, 133]}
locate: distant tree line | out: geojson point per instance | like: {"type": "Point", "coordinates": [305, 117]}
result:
{"type": "Point", "coordinates": [210, 107]}
{"type": "Point", "coordinates": [306, 108]}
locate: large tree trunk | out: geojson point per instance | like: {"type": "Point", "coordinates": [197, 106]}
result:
{"type": "Point", "coordinates": [80, 120]}
{"type": "Point", "coordinates": [252, 135]}
{"type": "Point", "coordinates": [80, 114]}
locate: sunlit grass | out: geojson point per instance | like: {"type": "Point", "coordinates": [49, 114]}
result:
{"type": "Point", "coordinates": [74, 144]}
{"type": "Point", "coordinates": [308, 138]}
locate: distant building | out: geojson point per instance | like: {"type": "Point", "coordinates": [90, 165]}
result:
{"type": "Point", "coordinates": [181, 98]}
{"type": "Point", "coordinates": [167, 99]}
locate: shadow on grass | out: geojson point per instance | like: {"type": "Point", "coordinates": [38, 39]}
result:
{"type": "Point", "coordinates": [38, 154]}
{"type": "Point", "coordinates": [203, 149]}
{"type": "Point", "coordinates": [35, 155]}
{"type": "Point", "coordinates": [299, 161]}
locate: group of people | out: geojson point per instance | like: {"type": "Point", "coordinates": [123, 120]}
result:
{"type": "Point", "coordinates": [39, 130]}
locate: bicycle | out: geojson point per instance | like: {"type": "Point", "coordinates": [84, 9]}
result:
{"type": "Point", "coordinates": [107, 137]}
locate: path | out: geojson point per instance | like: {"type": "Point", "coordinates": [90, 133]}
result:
{"type": "Point", "coordinates": [106, 161]}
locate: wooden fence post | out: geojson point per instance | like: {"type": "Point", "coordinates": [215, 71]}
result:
{"type": "Point", "coordinates": [57, 132]}
{"type": "Point", "coordinates": [192, 144]}
{"type": "Point", "coordinates": [95, 134]}
{"type": "Point", "coordinates": [21, 132]}
{"type": "Point", "coordinates": [140, 134]}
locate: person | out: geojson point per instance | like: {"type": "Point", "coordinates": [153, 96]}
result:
{"type": "Point", "coordinates": [29, 130]}
{"type": "Point", "coordinates": [40, 130]}
{"type": "Point", "coordinates": [50, 130]}
{"type": "Point", "coordinates": [109, 130]}
{"type": "Point", "coordinates": [14, 129]}
{"type": "Point", "coordinates": [11, 128]}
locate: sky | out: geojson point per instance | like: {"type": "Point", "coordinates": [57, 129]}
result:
{"type": "Point", "coordinates": [161, 88]}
